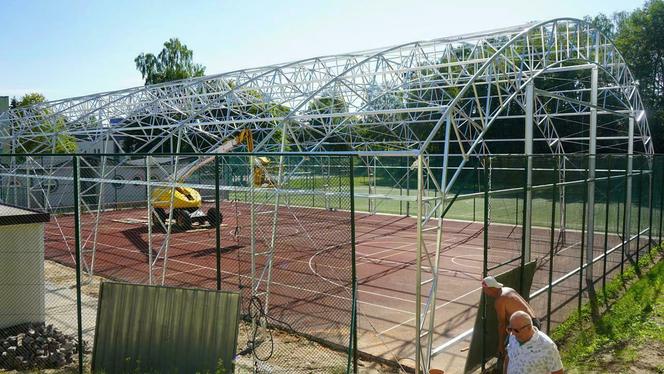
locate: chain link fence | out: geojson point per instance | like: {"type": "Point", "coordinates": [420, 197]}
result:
{"type": "Point", "coordinates": [279, 229]}
{"type": "Point", "coordinates": [275, 228]}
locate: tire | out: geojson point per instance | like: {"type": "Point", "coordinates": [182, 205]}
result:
{"type": "Point", "coordinates": [161, 214]}
{"type": "Point", "coordinates": [214, 218]}
{"type": "Point", "coordinates": [183, 220]}
{"type": "Point", "coordinates": [159, 219]}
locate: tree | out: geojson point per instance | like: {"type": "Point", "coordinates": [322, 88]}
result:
{"type": "Point", "coordinates": [49, 133]}
{"type": "Point", "coordinates": [639, 39]}
{"type": "Point", "coordinates": [603, 23]}
{"type": "Point", "coordinates": [173, 62]}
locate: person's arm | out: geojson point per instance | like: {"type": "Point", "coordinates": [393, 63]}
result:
{"type": "Point", "coordinates": [502, 327]}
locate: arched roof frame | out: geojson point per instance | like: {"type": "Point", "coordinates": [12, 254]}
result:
{"type": "Point", "coordinates": [148, 97]}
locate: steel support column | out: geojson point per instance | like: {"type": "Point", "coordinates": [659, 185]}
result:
{"type": "Point", "coordinates": [528, 150]}
{"type": "Point", "coordinates": [628, 188]}
{"type": "Point", "coordinates": [592, 152]}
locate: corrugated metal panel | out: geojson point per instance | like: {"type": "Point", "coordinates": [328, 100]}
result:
{"type": "Point", "coordinates": [166, 330]}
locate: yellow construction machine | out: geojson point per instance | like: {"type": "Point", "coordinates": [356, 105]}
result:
{"type": "Point", "coordinates": [187, 202]}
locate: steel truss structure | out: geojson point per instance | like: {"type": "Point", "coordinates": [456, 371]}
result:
{"type": "Point", "coordinates": [560, 86]}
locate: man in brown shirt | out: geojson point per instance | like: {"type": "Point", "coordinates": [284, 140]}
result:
{"type": "Point", "coordinates": [507, 302]}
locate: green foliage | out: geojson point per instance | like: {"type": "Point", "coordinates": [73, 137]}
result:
{"type": "Point", "coordinates": [172, 63]}
{"type": "Point", "coordinates": [640, 40]}
{"type": "Point", "coordinates": [631, 320]}
{"type": "Point", "coordinates": [45, 126]}
{"type": "Point", "coordinates": [638, 36]}
{"type": "Point", "coordinates": [30, 99]}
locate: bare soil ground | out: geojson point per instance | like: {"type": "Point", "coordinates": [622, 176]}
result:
{"type": "Point", "coordinates": [298, 354]}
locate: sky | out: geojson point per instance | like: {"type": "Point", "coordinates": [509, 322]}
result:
{"type": "Point", "coordinates": [69, 48]}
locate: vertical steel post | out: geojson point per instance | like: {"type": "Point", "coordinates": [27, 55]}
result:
{"type": "Point", "coordinates": [217, 229]}
{"type": "Point", "coordinates": [77, 246]}
{"type": "Point", "coordinates": [592, 154]}
{"type": "Point", "coordinates": [485, 259]}
{"type": "Point", "coordinates": [628, 187]}
{"type": "Point", "coordinates": [420, 249]}
{"type": "Point", "coordinates": [528, 147]}
{"type": "Point", "coordinates": [149, 199]}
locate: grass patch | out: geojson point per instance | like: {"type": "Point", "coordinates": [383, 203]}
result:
{"type": "Point", "coordinates": [627, 324]}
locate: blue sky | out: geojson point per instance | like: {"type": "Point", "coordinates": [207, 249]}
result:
{"type": "Point", "coordinates": [69, 48]}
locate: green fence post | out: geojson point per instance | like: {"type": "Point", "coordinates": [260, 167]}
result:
{"type": "Point", "coordinates": [476, 185]}
{"type": "Point", "coordinates": [485, 260]}
{"type": "Point", "coordinates": [583, 235]}
{"type": "Point", "coordinates": [526, 206]}
{"type": "Point", "coordinates": [352, 346]}
{"type": "Point", "coordinates": [650, 201]}
{"type": "Point", "coordinates": [661, 203]}
{"type": "Point", "coordinates": [407, 187]}
{"type": "Point", "coordinates": [217, 229]}
{"type": "Point", "coordinates": [401, 166]}
{"type": "Point", "coordinates": [606, 219]}
{"type": "Point", "coordinates": [554, 192]}
{"type": "Point", "coordinates": [626, 230]}
{"type": "Point", "coordinates": [638, 213]}
{"type": "Point", "coordinates": [77, 246]}
{"type": "Point", "coordinates": [313, 186]}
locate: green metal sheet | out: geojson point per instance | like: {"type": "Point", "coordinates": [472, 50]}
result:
{"type": "Point", "coordinates": [509, 279]}
{"type": "Point", "coordinates": [151, 329]}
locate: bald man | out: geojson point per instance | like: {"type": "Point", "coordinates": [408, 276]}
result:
{"type": "Point", "coordinates": [529, 350]}
{"type": "Point", "coordinates": [507, 302]}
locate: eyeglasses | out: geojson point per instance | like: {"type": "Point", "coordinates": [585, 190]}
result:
{"type": "Point", "coordinates": [517, 330]}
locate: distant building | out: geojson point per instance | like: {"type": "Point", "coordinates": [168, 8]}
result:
{"type": "Point", "coordinates": [4, 104]}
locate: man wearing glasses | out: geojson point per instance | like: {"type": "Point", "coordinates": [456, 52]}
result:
{"type": "Point", "coordinates": [529, 350]}
{"type": "Point", "coordinates": [507, 302]}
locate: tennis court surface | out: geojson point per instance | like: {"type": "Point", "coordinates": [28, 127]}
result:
{"type": "Point", "coordinates": [310, 291]}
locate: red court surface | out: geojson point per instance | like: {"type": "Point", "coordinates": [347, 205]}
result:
{"type": "Point", "coordinates": [311, 273]}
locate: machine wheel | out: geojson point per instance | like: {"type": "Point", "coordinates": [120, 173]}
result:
{"type": "Point", "coordinates": [159, 217]}
{"type": "Point", "coordinates": [160, 214]}
{"type": "Point", "coordinates": [183, 219]}
{"type": "Point", "coordinates": [214, 217]}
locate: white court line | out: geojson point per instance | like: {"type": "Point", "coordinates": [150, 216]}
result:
{"type": "Point", "coordinates": [438, 307]}
{"type": "Point", "coordinates": [464, 265]}
{"type": "Point", "coordinates": [566, 248]}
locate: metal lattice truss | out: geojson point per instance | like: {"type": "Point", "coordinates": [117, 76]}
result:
{"type": "Point", "coordinates": [380, 100]}
{"type": "Point", "coordinates": [560, 86]}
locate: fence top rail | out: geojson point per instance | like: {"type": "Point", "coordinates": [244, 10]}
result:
{"type": "Point", "coordinates": [395, 153]}
{"type": "Point", "coordinates": [225, 154]}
